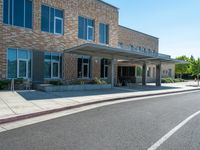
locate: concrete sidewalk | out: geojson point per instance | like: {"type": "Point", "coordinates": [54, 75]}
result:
{"type": "Point", "coordinates": [24, 103]}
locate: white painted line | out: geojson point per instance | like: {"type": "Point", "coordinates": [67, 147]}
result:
{"type": "Point", "coordinates": [171, 132]}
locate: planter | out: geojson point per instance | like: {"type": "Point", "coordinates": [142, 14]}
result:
{"type": "Point", "coordinates": [62, 88]}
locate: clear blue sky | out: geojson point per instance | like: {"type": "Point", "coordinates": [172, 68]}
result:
{"type": "Point", "coordinates": [175, 22]}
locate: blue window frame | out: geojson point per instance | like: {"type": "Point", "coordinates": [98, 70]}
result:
{"type": "Point", "coordinates": [19, 63]}
{"type": "Point", "coordinates": [85, 28]}
{"type": "Point", "coordinates": [53, 65]}
{"type": "Point", "coordinates": [104, 68]}
{"type": "Point", "coordinates": [83, 67]}
{"type": "Point", "coordinates": [104, 33]}
{"type": "Point", "coordinates": [18, 13]}
{"type": "Point", "coordinates": [52, 20]}
{"type": "Point", "coordinates": [45, 18]}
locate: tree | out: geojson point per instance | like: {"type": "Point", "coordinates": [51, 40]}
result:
{"type": "Point", "coordinates": [182, 68]}
{"type": "Point", "coordinates": [195, 68]}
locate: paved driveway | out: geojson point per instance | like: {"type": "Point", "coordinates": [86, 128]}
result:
{"type": "Point", "coordinates": [24, 102]}
{"type": "Point", "coordinates": [132, 125]}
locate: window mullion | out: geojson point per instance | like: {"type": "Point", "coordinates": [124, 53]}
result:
{"type": "Point", "coordinates": [27, 69]}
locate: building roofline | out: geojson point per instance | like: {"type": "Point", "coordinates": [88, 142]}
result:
{"type": "Point", "coordinates": [101, 1]}
{"type": "Point", "coordinates": [138, 31]}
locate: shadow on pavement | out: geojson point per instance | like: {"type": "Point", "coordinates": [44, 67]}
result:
{"type": "Point", "coordinates": [39, 95]}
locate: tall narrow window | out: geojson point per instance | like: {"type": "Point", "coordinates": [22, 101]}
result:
{"type": "Point", "coordinates": [47, 65]}
{"type": "Point", "coordinates": [83, 67]}
{"type": "Point", "coordinates": [170, 73]}
{"type": "Point", "coordinates": [18, 13]}
{"type": "Point", "coordinates": [104, 33]}
{"type": "Point", "coordinates": [149, 72]}
{"type": "Point", "coordinates": [53, 65]}
{"type": "Point", "coordinates": [85, 28]}
{"type": "Point", "coordinates": [12, 63]}
{"type": "Point", "coordinates": [19, 63]}
{"type": "Point", "coordinates": [139, 71]}
{"type": "Point", "coordinates": [52, 20]}
{"type": "Point", "coordinates": [45, 18]}
{"type": "Point", "coordinates": [104, 68]}
{"type": "Point", "coordinates": [154, 72]}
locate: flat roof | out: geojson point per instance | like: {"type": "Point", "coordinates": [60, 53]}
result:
{"type": "Point", "coordinates": [108, 52]}
{"type": "Point", "coordinates": [107, 4]}
{"type": "Point", "coordinates": [138, 31]}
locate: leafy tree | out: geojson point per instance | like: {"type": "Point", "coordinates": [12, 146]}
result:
{"type": "Point", "coordinates": [195, 68]}
{"type": "Point", "coordinates": [182, 68]}
{"type": "Point", "coordinates": [191, 60]}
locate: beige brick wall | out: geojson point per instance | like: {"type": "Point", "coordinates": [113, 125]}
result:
{"type": "Point", "coordinates": [35, 39]}
{"type": "Point", "coordinates": [131, 37]}
{"type": "Point", "coordinates": [165, 70]}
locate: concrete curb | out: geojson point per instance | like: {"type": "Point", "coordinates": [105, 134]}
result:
{"type": "Point", "coordinates": [37, 114]}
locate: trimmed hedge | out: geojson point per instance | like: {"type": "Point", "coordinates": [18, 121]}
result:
{"type": "Point", "coordinates": [4, 84]}
{"type": "Point", "coordinates": [55, 82]}
{"type": "Point", "coordinates": [171, 80]}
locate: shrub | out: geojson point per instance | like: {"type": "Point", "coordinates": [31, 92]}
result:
{"type": "Point", "coordinates": [4, 84]}
{"type": "Point", "coordinates": [170, 80]}
{"type": "Point", "coordinates": [55, 82]}
{"type": "Point", "coordinates": [19, 80]}
{"type": "Point", "coordinates": [98, 81]}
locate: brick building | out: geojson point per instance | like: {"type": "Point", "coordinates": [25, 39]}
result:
{"type": "Point", "coordinates": [70, 40]}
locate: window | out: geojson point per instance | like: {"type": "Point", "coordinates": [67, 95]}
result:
{"type": "Point", "coordinates": [131, 47]}
{"type": "Point", "coordinates": [170, 72]}
{"type": "Point", "coordinates": [126, 71]}
{"type": "Point", "coordinates": [19, 63]}
{"type": "Point", "coordinates": [18, 13]}
{"type": "Point", "coordinates": [120, 45]}
{"type": "Point", "coordinates": [51, 20]}
{"type": "Point", "coordinates": [104, 33]}
{"type": "Point", "coordinates": [104, 68]}
{"type": "Point", "coordinates": [83, 67]}
{"type": "Point", "coordinates": [139, 71]}
{"type": "Point", "coordinates": [149, 72]}
{"type": "Point", "coordinates": [85, 28]}
{"type": "Point", "coordinates": [154, 72]}
{"type": "Point", "coordinates": [52, 65]}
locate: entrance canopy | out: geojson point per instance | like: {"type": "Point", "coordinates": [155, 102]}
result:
{"type": "Point", "coordinates": [122, 53]}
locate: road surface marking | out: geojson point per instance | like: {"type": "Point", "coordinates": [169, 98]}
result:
{"type": "Point", "coordinates": [171, 132]}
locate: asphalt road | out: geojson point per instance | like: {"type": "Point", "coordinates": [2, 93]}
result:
{"type": "Point", "coordinates": [127, 126]}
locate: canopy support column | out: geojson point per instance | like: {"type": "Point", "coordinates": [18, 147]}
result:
{"type": "Point", "coordinates": [158, 75]}
{"type": "Point", "coordinates": [113, 72]}
{"type": "Point", "coordinates": [144, 74]}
